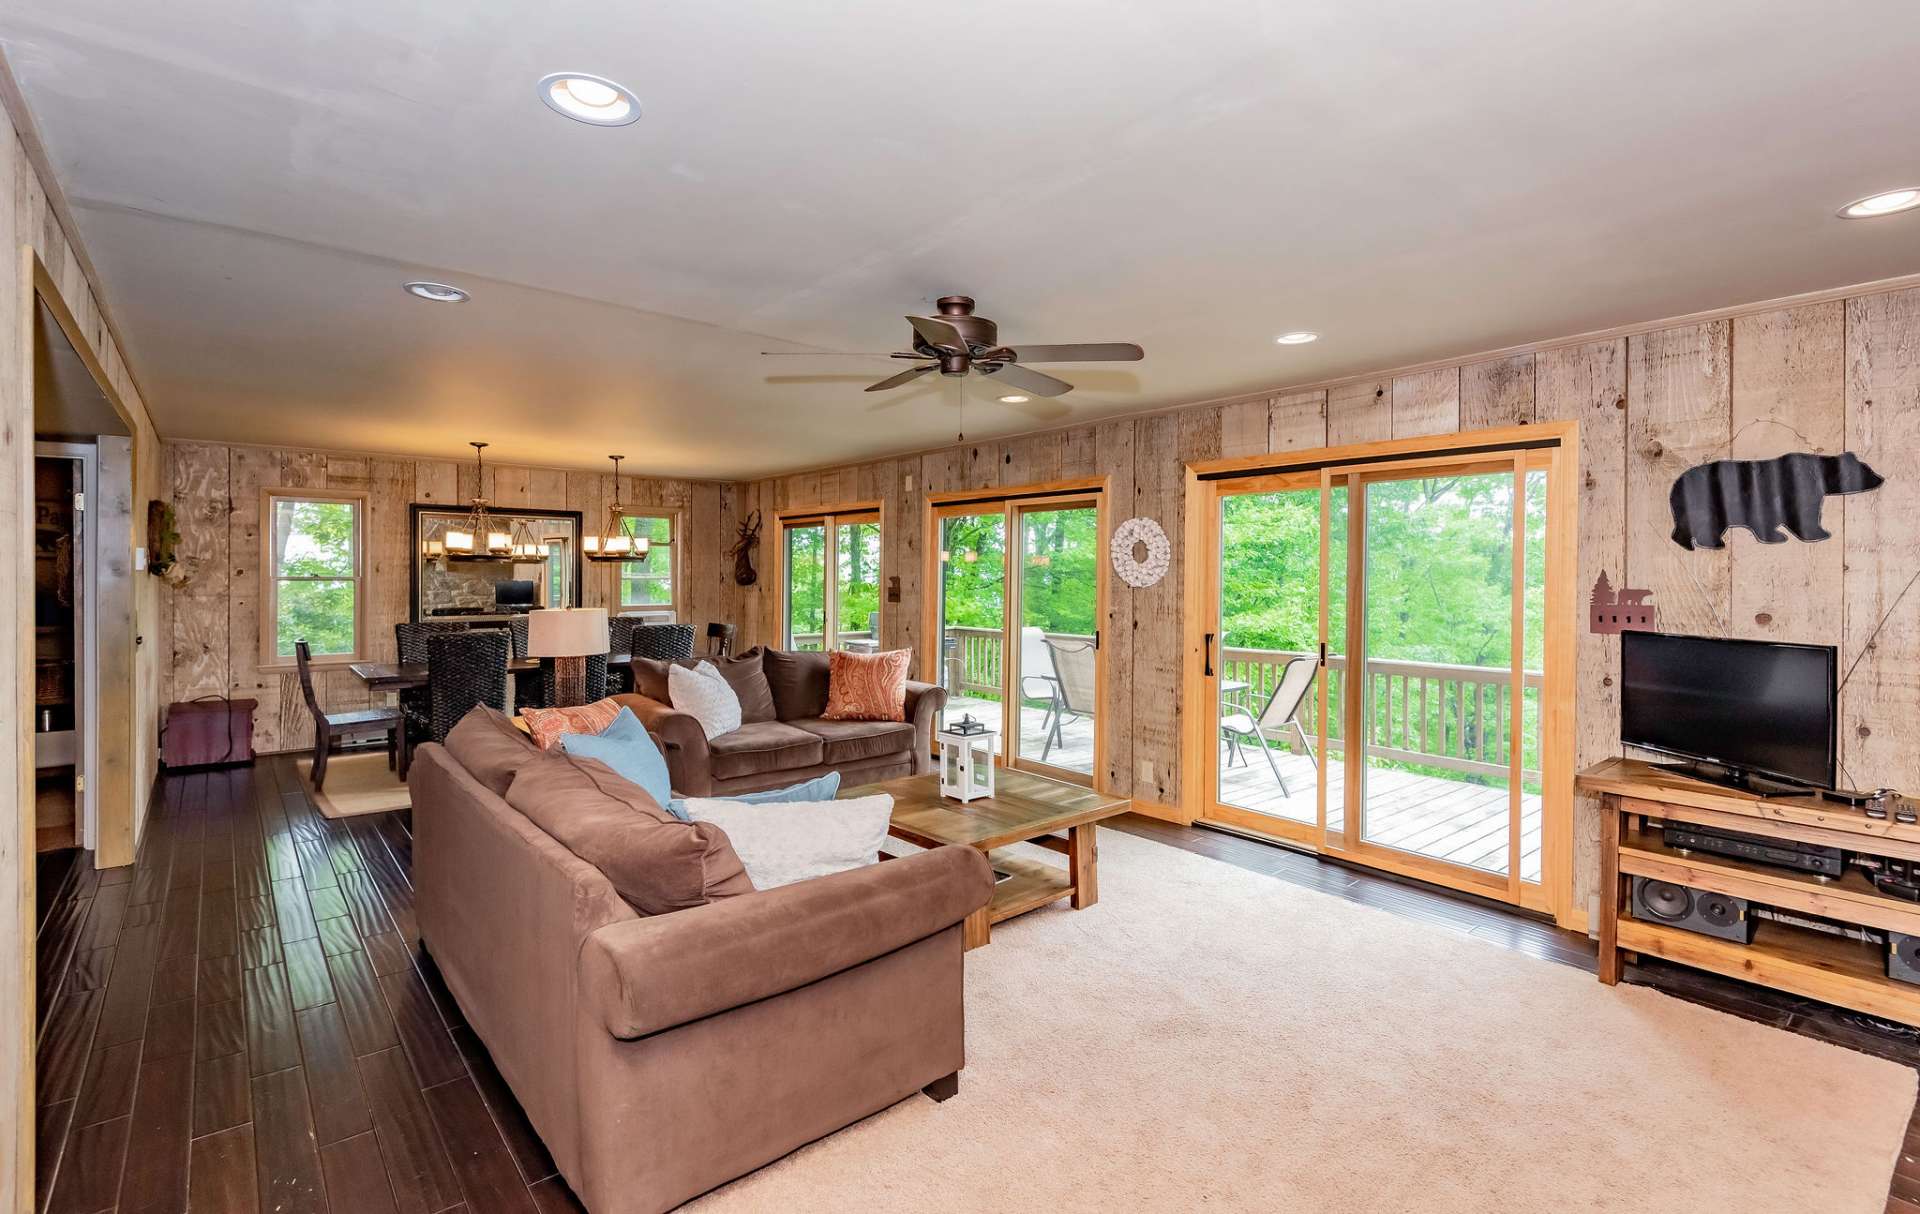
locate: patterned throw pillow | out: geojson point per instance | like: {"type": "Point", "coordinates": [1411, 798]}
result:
{"type": "Point", "coordinates": [867, 686]}
{"type": "Point", "coordinates": [705, 695]}
{"type": "Point", "coordinates": [547, 724]}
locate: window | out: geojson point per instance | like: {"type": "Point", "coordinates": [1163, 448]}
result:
{"type": "Point", "coordinates": [313, 572]}
{"type": "Point", "coordinates": [650, 583]}
{"type": "Point", "coordinates": [841, 611]}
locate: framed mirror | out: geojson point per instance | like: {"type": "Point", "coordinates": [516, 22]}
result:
{"type": "Point", "coordinates": [448, 588]}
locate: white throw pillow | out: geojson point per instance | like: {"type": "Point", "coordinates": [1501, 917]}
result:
{"type": "Point", "coordinates": [781, 842]}
{"type": "Point", "coordinates": [703, 693]}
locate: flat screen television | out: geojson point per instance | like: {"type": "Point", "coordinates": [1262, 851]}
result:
{"type": "Point", "coordinates": [513, 592]}
{"type": "Point", "coordinates": [1750, 708]}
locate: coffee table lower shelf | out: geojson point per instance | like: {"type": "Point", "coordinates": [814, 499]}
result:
{"type": "Point", "coordinates": [1030, 884]}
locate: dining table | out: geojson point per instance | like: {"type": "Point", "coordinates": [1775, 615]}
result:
{"type": "Point", "coordinates": [403, 676]}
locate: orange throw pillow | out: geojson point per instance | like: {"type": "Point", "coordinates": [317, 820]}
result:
{"type": "Point", "coordinates": [867, 686]}
{"type": "Point", "coordinates": [547, 724]}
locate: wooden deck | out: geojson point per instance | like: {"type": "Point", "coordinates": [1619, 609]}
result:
{"type": "Point", "coordinates": [1455, 820]}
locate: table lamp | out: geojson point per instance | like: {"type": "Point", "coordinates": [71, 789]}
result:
{"type": "Point", "coordinates": [569, 636]}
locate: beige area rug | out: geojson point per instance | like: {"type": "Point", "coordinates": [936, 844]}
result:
{"type": "Point", "coordinates": [1208, 1037]}
{"type": "Point", "coordinates": [356, 784]}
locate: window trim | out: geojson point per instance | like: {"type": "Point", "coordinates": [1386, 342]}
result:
{"type": "Point", "coordinates": [831, 517]}
{"type": "Point", "coordinates": [677, 598]}
{"type": "Point", "coordinates": [270, 657]}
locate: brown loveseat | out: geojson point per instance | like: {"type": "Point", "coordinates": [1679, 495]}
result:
{"type": "Point", "coordinates": [659, 1056]}
{"type": "Point", "coordinates": [782, 738]}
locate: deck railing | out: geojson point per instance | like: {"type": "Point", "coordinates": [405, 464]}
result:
{"type": "Point", "coordinates": [1430, 713]}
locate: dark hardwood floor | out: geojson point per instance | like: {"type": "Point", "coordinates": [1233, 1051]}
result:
{"type": "Point", "coordinates": [242, 1021]}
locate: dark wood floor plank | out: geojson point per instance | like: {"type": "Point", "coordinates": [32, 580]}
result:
{"type": "Point", "coordinates": [416, 1160]}
{"type": "Point", "coordinates": [219, 922]}
{"type": "Point", "coordinates": [339, 935]}
{"type": "Point", "coordinates": [481, 1160]}
{"type": "Point", "coordinates": [287, 1160]}
{"type": "Point", "coordinates": [89, 1176]}
{"type": "Point", "coordinates": [365, 906]}
{"type": "Point", "coordinates": [387, 953]}
{"type": "Point", "coordinates": [273, 1043]}
{"type": "Point", "coordinates": [124, 1015]}
{"type": "Point", "coordinates": [221, 1029]}
{"type": "Point", "coordinates": [327, 901]}
{"type": "Point", "coordinates": [222, 1095]}
{"type": "Point", "coordinates": [254, 912]}
{"type": "Point", "coordinates": [51, 1124]}
{"type": "Point", "coordinates": [90, 970]}
{"type": "Point", "coordinates": [61, 1060]}
{"type": "Point", "coordinates": [340, 1108]}
{"type": "Point", "coordinates": [529, 1153]}
{"type": "Point", "coordinates": [362, 1004]}
{"type": "Point", "coordinates": [260, 947]}
{"type": "Point", "coordinates": [292, 912]}
{"type": "Point", "coordinates": [108, 1090]}
{"type": "Point", "coordinates": [175, 978]}
{"type": "Point", "coordinates": [180, 922]}
{"type": "Point", "coordinates": [552, 1196]}
{"type": "Point", "coordinates": [219, 980]}
{"type": "Point", "coordinates": [157, 1151]}
{"type": "Point", "coordinates": [422, 1031]}
{"type": "Point", "coordinates": [224, 1177]}
{"type": "Point", "coordinates": [170, 1028]}
{"type": "Point", "coordinates": [356, 1176]}
{"type": "Point", "coordinates": [307, 973]}
{"type": "Point", "coordinates": [105, 917]}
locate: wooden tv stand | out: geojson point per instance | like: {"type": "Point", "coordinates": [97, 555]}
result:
{"type": "Point", "coordinates": [1840, 970]}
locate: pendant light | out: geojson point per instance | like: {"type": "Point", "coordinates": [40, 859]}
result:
{"type": "Point", "coordinates": [620, 540]}
{"type": "Point", "coordinates": [482, 537]}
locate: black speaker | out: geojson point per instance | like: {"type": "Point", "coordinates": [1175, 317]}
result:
{"type": "Point", "coordinates": [1698, 910]}
{"type": "Point", "coordinates": [1903, 957]}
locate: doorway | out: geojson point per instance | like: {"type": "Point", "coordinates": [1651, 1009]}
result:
{"type": "Point", "coordinates": [1378, 676]}
{"type": "Point", "coordinates": [1020, 586]}
{"type": "Point", "coordinates": [65, 672]}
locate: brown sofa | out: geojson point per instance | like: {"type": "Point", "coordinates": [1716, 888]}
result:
{"type": "Point", "coordinates": [782, 738]}
{"type": "Point", "coordinates": [660, 1056]}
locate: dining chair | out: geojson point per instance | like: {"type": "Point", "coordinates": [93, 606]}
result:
{"type": "Point", "coordinates": [1076, 674]}
{"type": "Point", "coordinates": [329, 725]}
{"type": "Point", "coordinates": [464, 670]}
{"type": "Point", "coordinates": [598, 683]}
{"type": "Point", "coordinates": [719, 639]}
{"type": "Point", "coordinates": [665, 642]}
{"type": "Point", "coordinates": [1277, 716]}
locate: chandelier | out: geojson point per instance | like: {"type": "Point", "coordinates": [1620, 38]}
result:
{"type": "Point", "coordinates": [482, 537]}
{"type": "Point", "coordinates": [621, 539]}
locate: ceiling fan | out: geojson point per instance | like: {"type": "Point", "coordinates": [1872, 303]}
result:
{"type": "Point", "coordinates": [956, 342]}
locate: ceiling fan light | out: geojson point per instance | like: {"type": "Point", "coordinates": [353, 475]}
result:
{"type": "Point", "coordinates": [1298, 337]}
{"type": "Point", "coordinates": [1888, 202]}
{"type": "Point", "coordinates": [1015, 399]}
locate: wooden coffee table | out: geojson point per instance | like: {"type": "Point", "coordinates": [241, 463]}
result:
{"type": "Point", "coordinates": [1023, 809]}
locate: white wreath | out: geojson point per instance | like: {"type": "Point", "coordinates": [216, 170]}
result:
{"type": "Point", "coordinates": [1137, 573]}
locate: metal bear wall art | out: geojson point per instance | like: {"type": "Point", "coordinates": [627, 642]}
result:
{"type": "Point", "coordinates": [1764, 496]}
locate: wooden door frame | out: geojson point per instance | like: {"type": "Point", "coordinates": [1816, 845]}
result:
{"type": "Point", "coordinates": [1560, 443]}
{"type": "Point", "coordinates": [1009, 502]}
{"type": "Point", "coordinates": [828, 516]}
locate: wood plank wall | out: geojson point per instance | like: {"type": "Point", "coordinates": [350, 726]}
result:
{"type": "Point", "coordinates": [1832, 376]}
{"type": "Point", "coordinates": [27, 220]}
{"type": "Point", "coordinates": [214, 639]}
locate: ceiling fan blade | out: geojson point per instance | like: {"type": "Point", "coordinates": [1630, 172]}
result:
{"type": "Point", "coordinates": [828, 354]}
{"type": "Point", "coordinates": [1027, 380]}
{"type": "Point", "coordinates": [894, 381]}
{"type": "Point", "coordinates": [1096, 352]}
{"type": "Point", "coordinates": [937, 332]}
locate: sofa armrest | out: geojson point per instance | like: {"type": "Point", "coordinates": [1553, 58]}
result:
{"type": "Point", "coordinates": [650, 974]}
{"type": "Point", "coordinates": [681, 740]}
{"type": "Point", "coordinates": [923, 705]}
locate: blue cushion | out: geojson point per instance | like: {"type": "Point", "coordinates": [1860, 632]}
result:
{"type": "Point", "coordinates": [820, 788]}
{"type": "Point", "coordinates": [626, 747]}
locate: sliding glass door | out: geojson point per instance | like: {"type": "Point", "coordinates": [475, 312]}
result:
{"type": "Point", "coordinates": [831, 567]}
{"type": "Point", "coordinates": [1017, 619]}
{"type": "Point", "coordinates": [1375, 662]}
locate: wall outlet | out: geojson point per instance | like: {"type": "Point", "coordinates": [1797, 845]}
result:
{"type": "Point", "coordinates": [139, 560]}
{"type": "Point", "coordinates": [909, 482]}
{"type": "Point", "coordinates": [1146, 771]}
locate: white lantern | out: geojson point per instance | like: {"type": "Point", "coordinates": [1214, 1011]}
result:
{"type": "Point", "coordinates": [966, 764]}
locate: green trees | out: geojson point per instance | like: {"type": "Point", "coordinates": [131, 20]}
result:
{"type": "Point", "coordinates": [313, 562]}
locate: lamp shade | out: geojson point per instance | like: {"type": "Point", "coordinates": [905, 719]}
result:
{"type": "Point", "coordinates": [575, 632]}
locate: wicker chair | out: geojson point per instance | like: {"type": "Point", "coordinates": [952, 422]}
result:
{"type": "Point", "coordinates": [465, 670]}
{"type": "Point", "coordinates": [663, 641]}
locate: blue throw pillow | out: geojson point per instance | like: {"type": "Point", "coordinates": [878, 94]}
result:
{"type": "Point", "coordinates": [626, 747]}
{"type": "Point", "coordinates": [820, 788]}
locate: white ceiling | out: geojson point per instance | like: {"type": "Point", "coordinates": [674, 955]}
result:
{"type": "Point", "coordinates": [255, 181]}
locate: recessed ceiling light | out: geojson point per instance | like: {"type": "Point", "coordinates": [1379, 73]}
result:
{"type": "Point", "coordinates": [1891, 202]}
{"type": "Point", "coordinates": [1015, 400]}
{"type": "Point", "coordinates": [1299, 337]}
{"type": "Point", "coordinates": [438, 292]}
{"type": "Point", "coordinates": [593, 99]}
